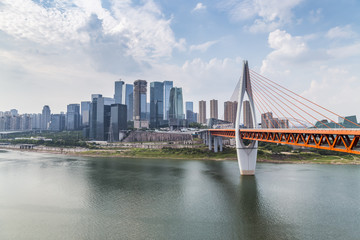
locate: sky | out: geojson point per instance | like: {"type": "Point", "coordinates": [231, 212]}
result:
{"type": "Point", "coordinates": [60, 52]}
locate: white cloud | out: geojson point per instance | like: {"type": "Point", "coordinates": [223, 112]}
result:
{"type": "Point", "coordinates": [25, 19]}
{"type": "Point", "coordinates": [345, 51]}
{"type": "Point", "coordinates": [341, 32]}
{"type": "Point", "coordinates": [142, 30]}
{"type": "Point", "coordinates": [287, 49]}
{"type": "Point", "coordinates": [199, 6]}
{"type": "Point", "coordinates": [335, 89]}
{"type": "Point", "coordinates": [268, 14]}
{"type": "Point", "coordinates": [202, 47]}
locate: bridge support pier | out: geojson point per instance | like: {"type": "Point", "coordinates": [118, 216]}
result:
{"type": "Point", "coordinates": [216, 144]}
{"type": "Point", "coordinates": [246, 154]}
{"type": "Point", "coordinates": [210, 138]}
{"type": "Point", "coordinates": [221, 143]}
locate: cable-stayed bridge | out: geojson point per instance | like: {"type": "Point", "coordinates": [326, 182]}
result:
{"type": "Point", "coordinates": [286, 118]}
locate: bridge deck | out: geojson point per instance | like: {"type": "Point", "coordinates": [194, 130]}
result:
{"type": "Point", "coordinates": [340, 140]}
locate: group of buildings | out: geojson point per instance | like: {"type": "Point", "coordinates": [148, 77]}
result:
{"type": "Point", "coordinates": [104, 118]}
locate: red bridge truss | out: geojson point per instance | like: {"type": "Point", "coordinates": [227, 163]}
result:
{"type": "Point", "coordinates": [340, 140]}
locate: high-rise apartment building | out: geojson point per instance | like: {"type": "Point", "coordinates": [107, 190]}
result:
{"type": "Point", "coordinates": [45, 117]}
{"type": "Point", "coordinates": [156, 104]}
{"type": "Point", "coordinates": [202, 112]}
{"type": "Point", "coordinates": [247, 116]}
{"type": "Point", "coordinates": [167, 87]}
{"type": "Point", "coordinates": [129, 99]}
{"type": "Point", "coordinates": [85, 113]}
{"type": "Point", "coordinates": [268, 121]}
{"type": "Point", "coordinates": [118, 96]}
{"type": "Point", "coordinates": [73, 117]}
{"type": "Point", "coordinates": [214, 109]}
{"type": "Point", "coordinates": [230, 110]}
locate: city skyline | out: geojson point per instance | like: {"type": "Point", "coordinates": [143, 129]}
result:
{"type": "Point", "coordinates": [312, 47]}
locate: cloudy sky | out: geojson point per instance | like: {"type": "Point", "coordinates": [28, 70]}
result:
{"type": "Point", "coordinates": [60, 52]}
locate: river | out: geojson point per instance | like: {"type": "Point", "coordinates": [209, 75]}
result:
{"type": "Point", "coordinates": [49, 196]}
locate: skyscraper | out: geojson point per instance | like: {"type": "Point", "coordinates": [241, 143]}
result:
{"type": "Point", "coordinates": [248, 122]}
{"type": "Point", "coordinates": [190, 115]}
{"type": "Point", "coordinates": [129, 99]}
{"type": "Point", "coordinates": [57, 122]}
{"type": "Point", "coordinates": [103, 114]}
{"type": "Point", "coordinates": [176, 109]}
{"type": "Point", "coordinates": [73, 117]}
{"type": "Point", "coordinates": [167, 87]}
{"type": "Point", "coordinates": [214, 109]}
{"type": "Point", "coordinates": [45, 117]}
{"type": "Point", "coordinates": [93, 115]}
{"type": "Point", "coordinates": [118, 121]}
{"type": "Point", "coordinates": [118, 96]}
{"type": "Point", "coordinates": [230, 110]}
{"type": "Point", "coordinates": [202, 112]}
{"type": "Point", "coordinates": [85, 113]}
{"type": "Point", "coordinates": [156, 103]}
{"type": "Point", "coordinates": [140, 109]}
{"type": "Point", "coordinates": [140, 89]}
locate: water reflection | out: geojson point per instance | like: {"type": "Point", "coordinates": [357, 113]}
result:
{"type": "Point", "coordinates": [243, 204]}
{"type": "Point", "coordinates": [44, 196]}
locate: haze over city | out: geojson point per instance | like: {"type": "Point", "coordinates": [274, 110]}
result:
{"type": "Point", "coordinates": [60, 52]}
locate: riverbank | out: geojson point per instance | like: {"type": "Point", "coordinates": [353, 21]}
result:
{"type": "Point", "coordinates": [199, 153]}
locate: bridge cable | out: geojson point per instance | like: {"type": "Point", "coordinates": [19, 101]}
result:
{"type": "Point", "coordinates": [266, 79]}
{"type": "Point", "coordinates": [302, 104]}
{"type": "Point", "coordinates": [259, 92]}
{"type": "Point", "coordinates": [259, 86]}
{"type": "Point", "coordinates": [276, 93]}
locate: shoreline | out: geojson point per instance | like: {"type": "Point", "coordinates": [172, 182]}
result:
{"type": "Point", "coordinates": [121, 153]}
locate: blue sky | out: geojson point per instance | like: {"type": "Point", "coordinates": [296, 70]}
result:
{"type": "Point", "coordinates": [60, 52]}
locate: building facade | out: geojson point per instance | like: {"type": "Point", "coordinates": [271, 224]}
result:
{"type": "Point", "coordinates": [129, 98]}
{"type": "Point", "coordinates": [57, 122]}
{"type": "Point", "coordinates": [118, 96]}
{"type": "Point", "coordinates": [118, 121]}
{"type": "Point", "coordinates": [85, 113]}
{"type": "Point", "coordinates": [73, 117]}
{"type": "Point", "coordinates": [45, 117]}
{"type": "Point", "coordinates": [156, 104]}
{"type": "Point", "coordinates": [176, 108]}
{"type": "Point", "coordinates": [214, 109]}
{"type": "Point", "coordinates": [230, 109]}
{"type": "Point", "coordinates": [190, 115]}
{"type": "Point", "coordinates": [202, 112]}
{"type": "Point", "coordinates": [167, 87]}
{"type": "Point", "coordinates": [247, 116]}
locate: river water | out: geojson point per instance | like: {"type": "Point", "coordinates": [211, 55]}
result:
{"type": "Point", "coordinates": [47, 196]}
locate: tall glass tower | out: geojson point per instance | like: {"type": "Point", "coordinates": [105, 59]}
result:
{"type": "Point", "coordinates": [176, 110]}
{"type": "Point", "coordinates": [129, 98]}
{"type": "Point", "coordinates": [156, 103]}
{"type": "Point", "coordinates": [118, 96]}
{"type": "Point", "coordinates": [167, 87]}
{"type": "Point", "coordinates": [73, 117]}
{"type": "Point", "coordinates": [45, 117]}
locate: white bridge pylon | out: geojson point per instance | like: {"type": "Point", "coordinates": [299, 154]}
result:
{"type": "Point", "coordinates": [246, 155]}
